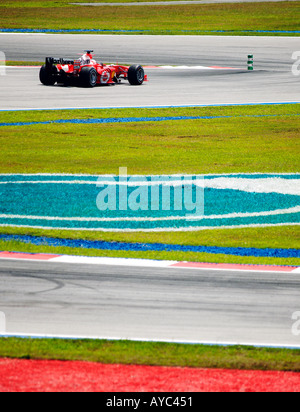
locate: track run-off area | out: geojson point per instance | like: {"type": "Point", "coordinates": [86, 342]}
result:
{"type": "Point", "coordinates": [128, 302]}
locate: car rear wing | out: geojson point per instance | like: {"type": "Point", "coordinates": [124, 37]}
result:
{"type": "Point", "coordinates": [50, 61]}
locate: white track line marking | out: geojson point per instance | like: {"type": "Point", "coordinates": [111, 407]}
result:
{"type": "Point", "coordinates": [163, 229]}
{"type": "Point", "coordinates": [146, 263]}
{"type": "Point", "coordinates": [291, 210]}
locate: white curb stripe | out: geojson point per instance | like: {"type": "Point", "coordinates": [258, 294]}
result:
{"type": "Point", "coordinates": [147, 263]}
{"type": "Point", "coordinates": [113, 261]}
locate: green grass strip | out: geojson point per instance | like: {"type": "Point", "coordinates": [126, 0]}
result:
{"type": "Point", "coordinates": [232, 19]}
{"type": "Point", "coordinates": [158, 354]}
{"type": "Point", "coordinates": [23, 63]}
{"type": "Point", "coordinates": [273, 237]}
{"type": "Point", "coordinates": [203, 146]}
{"type": "Point", "coordinates": [16, 246]}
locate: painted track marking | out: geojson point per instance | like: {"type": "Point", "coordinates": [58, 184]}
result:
{"type": "Point", "coordinates": [146, 263]}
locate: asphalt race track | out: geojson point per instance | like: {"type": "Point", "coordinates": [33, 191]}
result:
{"type": "Point", "coordinates": [198, 84]}
{"type": "Point", "coordinates": [155, 304]}
{"type": "Point", "coordinates": [149, 303]}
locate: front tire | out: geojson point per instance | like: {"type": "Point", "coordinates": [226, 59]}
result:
{"type": "Point", "coordinates": [48, 77]}
{"type": "Point", "coordinates": [88, 77]}
{"type": "Point", "coordinates": [136, 75]}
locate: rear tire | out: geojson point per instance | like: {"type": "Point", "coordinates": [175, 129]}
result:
{"type": "Point", "coordinates": [136, 75]}
{"type": "Point", "coordinates": [88, 77]}
{"type": "Point", "coordinates": [48, 76]}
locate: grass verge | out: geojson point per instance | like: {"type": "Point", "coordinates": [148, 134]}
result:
{"type": "Point", "coordinates": [154, 354]}
{"type": "Point", "coordinates": [15, 246]}
{"type": "Point", "coordinates": [237, 19]}
{"type": "Point", "coordinates": [225, 143]}
{"type": "Point", "coordinates": [217, 145]}
{"type": "Point", "coordinates": [23, 63]}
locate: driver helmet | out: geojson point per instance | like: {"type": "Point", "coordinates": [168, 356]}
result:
{"type": "Point", "coordinates": [87, 57]}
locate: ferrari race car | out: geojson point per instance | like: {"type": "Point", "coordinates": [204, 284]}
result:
{"type": "Point", "coordinates": [86, 72]}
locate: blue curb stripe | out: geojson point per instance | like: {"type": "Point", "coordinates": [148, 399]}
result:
{"type": "Point", "coordinates": [112, 120]}
{"type": "Point", "coordinates": [155, 247]}
{"type": "Point", "coordinates": [138, 119]}
{"type": "Point", "coordinates": [16, 30]}
{"type": "Point", "coordinates": [2, 30]}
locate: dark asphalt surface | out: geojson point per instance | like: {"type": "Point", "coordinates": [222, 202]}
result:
{"type": "Point", "coordinates": [149, 303]}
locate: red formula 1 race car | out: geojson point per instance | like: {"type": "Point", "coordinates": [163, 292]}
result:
{"type": "Point", "coordinates": [86, 72]}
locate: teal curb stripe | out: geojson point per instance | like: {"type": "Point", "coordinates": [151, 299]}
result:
{"type": "Point", "coordinates": [73, 203]}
